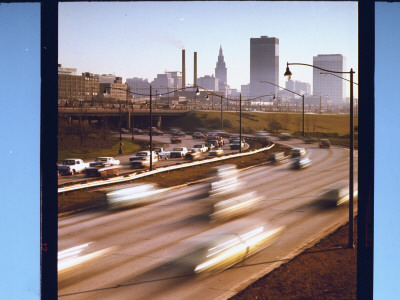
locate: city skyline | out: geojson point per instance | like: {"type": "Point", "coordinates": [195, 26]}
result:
{"type": "Point", "coordinates": [128, 45]}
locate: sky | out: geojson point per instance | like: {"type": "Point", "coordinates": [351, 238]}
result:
{"type": "Point", "coordinates": [387, 159]}
{"type": "Point", "coordinates": [143, 39]}
{"type": "Point", "coordinates": [19, 151]}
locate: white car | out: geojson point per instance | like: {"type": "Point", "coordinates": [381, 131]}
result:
{"type": "Point", "coordinates": [178, 152]}
{"type": "Point", "coordinates": [200, 147]}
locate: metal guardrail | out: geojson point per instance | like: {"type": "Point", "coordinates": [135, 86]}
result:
{"type": "Point", "coordinates": [120, 179]}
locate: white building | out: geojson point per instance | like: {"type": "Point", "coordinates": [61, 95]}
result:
{"type": "Point", "coordinates": [138, 86]}
{"type": "Point", "coordinates": [209, 82]}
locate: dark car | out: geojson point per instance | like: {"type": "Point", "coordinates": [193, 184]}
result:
{"type": "Point", "coordinates": [198, 135]}
{"type": "Point", "coordinates": [138, 131]}
{"type": "Point", "coordinates": [324, 143]}
{"type": "Point", "coordinates": [176, 140]}
{"type": "Point", "coordinates": [177, 133]}
{"type": "Point", "coordinates": [193, 155]}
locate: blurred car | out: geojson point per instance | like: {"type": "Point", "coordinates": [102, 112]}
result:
{"type": "Point", "coordinates": [133, 194]}
{"type": "Point", "coordinates": [276, 157]}
{"type": "Point", "coordinates": [223, 246]}
{"type": "Point", "coordinates": [194, 154]}
{"type": "Point", "coordinates": [285, 136]}
{"type": "Point", "coordinates": [337, 194]}
{"type": "Point", "coordinates": [297, 152]}
{"type": "Point", "coordinates": [209, 146]}
{"type": "Point", "coordinates": [237, 144]}
{"type": "Point", "coordinates": [142, 159]}
{"type": "Point", "coordinates": [324, 143]}
{"type": "Point", "coordinates": [138, 131]}
{"type": "Point", "coordinates": [301, 162]}
{"type": "Point", "coordinates": [176, 140]}
{"type": "Point", "coordinates": [309, 140]}
{"type": "Point", "coordinates": [261, 133]}
{"type": "Point", "coordinates": [178, 133]}
{"type": "Point", "coordinates": [198, 135]}
{"type": "Point", "coordinates": [216, 152]}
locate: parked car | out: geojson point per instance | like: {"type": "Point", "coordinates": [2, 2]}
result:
{"type": "Point", "coordinates": [324, 143]}
{"type": "Point", "coordinates": [276, 157]}
{"type": "Point", "coordinates": [178, 152]}
{"type": "Point", "coordinates": [297, 152]}
{"type": "Point", "coordinates": [301, 162]}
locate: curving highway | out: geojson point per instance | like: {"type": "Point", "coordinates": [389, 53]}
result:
{"type": "Point", "coordinates": [131, 254]}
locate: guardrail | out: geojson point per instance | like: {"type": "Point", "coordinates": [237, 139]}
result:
{"type": "Point", "coordinates": [132, 176]}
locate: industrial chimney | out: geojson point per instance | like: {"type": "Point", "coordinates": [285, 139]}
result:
{"type": "Point", "coordinates": [195, 70]}
{"type": "Point", "coordinates": [183, 69]}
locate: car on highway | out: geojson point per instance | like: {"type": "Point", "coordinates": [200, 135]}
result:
{"type": "Point", "coordinates": [237, 144]}
{"type": "Point", "coordinates": [132, 195]}
{"type": "Point", "coordinates": [200, 147]}
{"type": "Point", "coordinates": [219, 248]}
{"type": "Point", "coordinates": [104, 161]}
{"type": "Point", "coordinates": [336, 194]}
{"type": "Point", "coordinates": [284, 136]}
{"type": "Point", "coordinates": [138, 131]}
{"type": "Point", "coordinates": [261, 133]}
{"type": "Point", "coordinates": [297, 152]}
{"type": "Point", "coordinates": [162, 154]}
{"type": "Point", "coordinates": [324, 143]}
{"type": "Point", "coordinates": [178, 133]}
{"type": "Point", "coordinates": [194, 154]}
{"type": "Point", "coordinates": [216, 152]}
{"type": "Point", "coordinates": [72, 166]}
{"type": "Point", "coordinates": [276, 157]}
{"type": "Point", "coordinates": [178, 152]}
{"type": "Point", "coordinates": [142, 159]}
{"type": "Point", "coordinates": [301, 162]}
{"type": "Point", "coordinates": [176, 140]}
{"type": "Point", "coordinates": [198, 135]}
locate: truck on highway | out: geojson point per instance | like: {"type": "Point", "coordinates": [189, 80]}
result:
{"type": "Point", "coordinates": [72, 166]}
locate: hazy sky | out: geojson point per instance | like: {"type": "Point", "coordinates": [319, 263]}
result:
{"type": "Point", "coordinates": [143, 39]}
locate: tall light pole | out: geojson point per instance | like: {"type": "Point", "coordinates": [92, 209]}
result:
{"type": "Point", "coordinates": [302, 96]}
{"type": "Point", "coordinates": [240, 123]}
{"type": "Point", "coordinates": [351, 167]}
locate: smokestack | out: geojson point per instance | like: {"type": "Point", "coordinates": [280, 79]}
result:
{"type": "Point", "coordinates": [195, 70]}
{"type": "Point", "coordinates": [183, 69]}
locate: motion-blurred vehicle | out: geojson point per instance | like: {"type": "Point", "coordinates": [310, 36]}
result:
{"type": "Point", "coordinates": [198, 135]}
{"type": "Point", "coordinates": [276, 157]}
{"type": "Point", "coordinates": [297, 152]}
{"type": "Point", "coordinates": [217, 140]}
{"type": "Point", "coordinates": [261, 133]}
{"type": "Point", "coordinates": [102, 170]}
{"type": "Point", "coordinates": [104, 161]}
{"type": "Point", "coordinates": [216, 152]}
{"type": "Point", "coordinates": [309, 140]}
{"type": "Point", "coordinates": [72, 166]}
{"type": "Point", "coordinates": [132, 195]}
{"type": "Point", "coordinates": [324, 143]}
{"type": "Point", "coordinates": [193, 154]}
{"type": "Point", "coordinates": [337, 194]}
{"type": "Point", "coordinates": [209, 146]}
{"type": "Point", "coordinates": [221, 247]}
{"type": "Point", "coordinates": [285, 136]}
{"type": "Point", "coordinates": [301, 162]}
{"type": "Point", "coordinates": [178, 152]}
{"type": "Point", "coordinates": [138, 131]}
{"type": "Point", "coordinates": [142, 159]}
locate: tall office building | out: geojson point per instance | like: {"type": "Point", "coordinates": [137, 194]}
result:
{"type": "Point", "coordinates": [221, 71]}
{"type": "Point", "coordinates": [264, 65]}
{"type": "Point", "coordinates": [328, 85]}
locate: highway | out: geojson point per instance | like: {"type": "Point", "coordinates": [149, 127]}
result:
{"type": "Point", "coordinates": [130, 253]}
{"type": "Point", "coordinates": [187, 142]}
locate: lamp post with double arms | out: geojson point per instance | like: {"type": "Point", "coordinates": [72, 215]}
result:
{"type": "Point", "coordinates": [351, 167]}
{"type": "Point", "coordinates": [302, 96]}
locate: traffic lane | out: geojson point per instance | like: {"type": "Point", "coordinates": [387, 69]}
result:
{"type": "Point", "coordinates": [279, 193]}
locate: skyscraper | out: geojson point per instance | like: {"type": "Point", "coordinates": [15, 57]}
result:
{"type": "Point", "coordinates": [331, 86]}
{"type": "Point", "coordinates": [221, 71]}
{"type": "Point", "coordinates": [264, 65]}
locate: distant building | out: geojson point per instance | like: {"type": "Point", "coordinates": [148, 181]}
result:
{"type": "Point", "coordinates": [112, 88]}
{"type": "Point", "coordinates": [163, 83]}
{"type": "Point", "coordinates": [75, 87]}
{"type": "Point", "coordinates": [209, 82]}
{"type": "Point", "coordinates": [245, 90]}
{"type": "Point", "coordinates": [332, 86]}
{"type": "Point", "coordinates": [302, 88]}
{"type": "Point", "coordinates": [221, 71]}
{"type": "Point", "coordinates": [177, 77]}
{"type": "Point", "coordinates": [138, 86]}
{"type": "Point", "coordinates": [264, 65]}
{"type": "Point", "coordinates": [109, 78]}
{"type": "Point", "coordinates": [66, 71]}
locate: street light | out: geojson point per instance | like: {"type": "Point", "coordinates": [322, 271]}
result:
{"type": "Point", "coordinates": [351, 187]}
{"type": "Point", "coordinates": [302, 96]}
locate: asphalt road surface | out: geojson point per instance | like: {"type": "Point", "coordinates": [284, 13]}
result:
{"type": "Point", "coordinates": [128, 253]}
